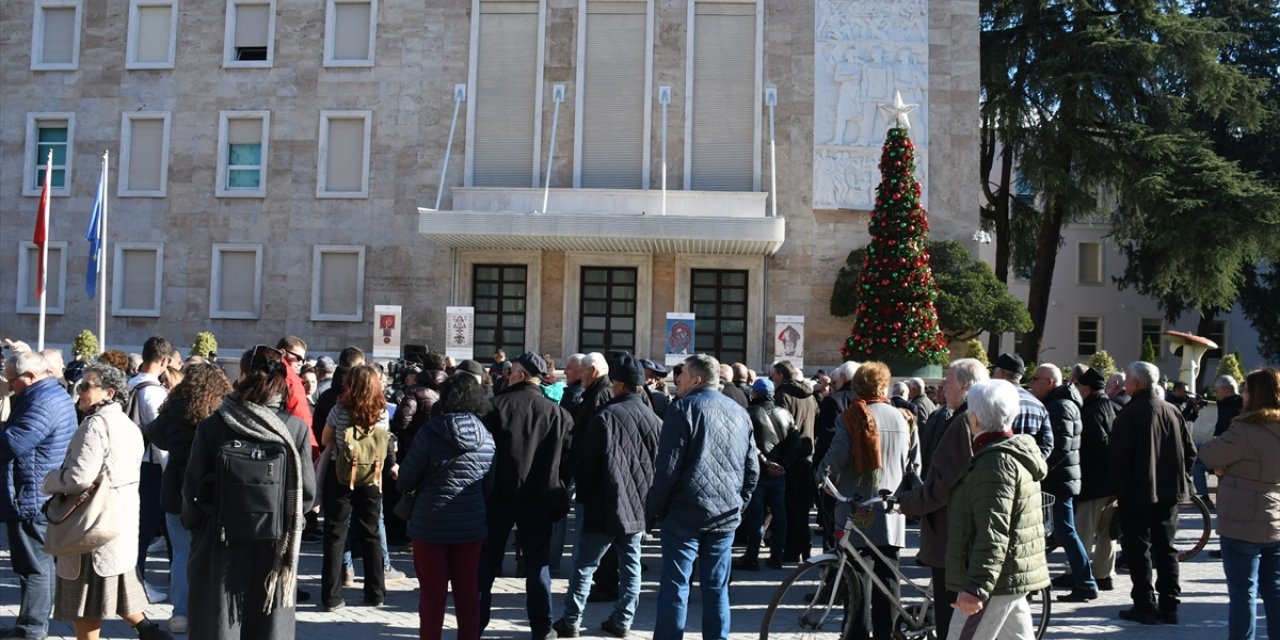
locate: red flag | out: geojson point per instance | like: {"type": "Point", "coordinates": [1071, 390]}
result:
{"type": "Point", "coordinates": [41, 237]}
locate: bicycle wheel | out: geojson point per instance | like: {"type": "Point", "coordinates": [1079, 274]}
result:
{"type": "Point", "coordinates": [1194, 527]}
{"type": "Point", "coordinates": [815, 601]}
{"type": "Point", "coordinates": [1041, 605]}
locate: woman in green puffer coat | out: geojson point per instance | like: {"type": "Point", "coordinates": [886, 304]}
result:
{"type": "Point", "coordinates": [995, 537]}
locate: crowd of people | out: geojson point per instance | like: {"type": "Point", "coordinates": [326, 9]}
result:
{"type": "Point", "coordinates": [233, 477]}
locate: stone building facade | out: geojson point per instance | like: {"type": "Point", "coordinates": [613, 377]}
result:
{"type": "Point", "coordinates": [276, 163]}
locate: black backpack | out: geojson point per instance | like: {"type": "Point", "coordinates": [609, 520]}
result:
{"type": "Point", "coordinates": [251, 485]}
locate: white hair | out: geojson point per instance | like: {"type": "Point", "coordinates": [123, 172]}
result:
{"type": "Point", "coordinates": [27, 362]}
{"type": "Point", "coordinates": [844, 373]}
{"type": "Point", "coordinates": [969, 371]}
{"type": "Point", "coordinates": [1227, 382]}
{"type": "Point", "coordinates": [597, 361]}
{"type": "Point", "coordinates": [1145, 373]}
{"type": "Point", "coordinates": [576, 358]}
{"type": "Point", "coordinates": [898, 390]}
{"type": "Point", "coordinates": [1055, 374]}
{"type": "Point", "coordinates": [916, 384]}
{"type": "Point", "coordinates": [53, 358]}
{"type": "Point", "coordinates": [995, 404]}
{"type": "Point", "coordinates": [1117, 377]}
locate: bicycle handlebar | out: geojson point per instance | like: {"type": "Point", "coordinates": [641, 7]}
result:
{"type": "Point", "coordinates": [885, 496]}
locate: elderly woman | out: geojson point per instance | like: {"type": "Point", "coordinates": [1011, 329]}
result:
{"type": "Point", "coordinates": [995, 541]}
{"type": "Point", "coordinates": [103, 582]}
{"type": "Point", "coordinates": [874, 447]}
{"type": "Point", "coordinates": [1248, 523]}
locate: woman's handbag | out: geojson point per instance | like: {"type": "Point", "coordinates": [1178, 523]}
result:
{"type": "Point", "coordinates": [81, 522]}
{"type": "Point", "coordinates": [404, 506]}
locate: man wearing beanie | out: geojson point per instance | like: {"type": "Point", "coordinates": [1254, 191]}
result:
{"type": "Point", "coordinates": [614, 471]}
{"type": "Point", "coordinates": [1096, 504]}
{"type": "Point", "coordinates": [531, 439]}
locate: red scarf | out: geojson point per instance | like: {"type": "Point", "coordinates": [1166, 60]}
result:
{"type": "Point", "coordinates": [987, 437]}
{"type": "Point", "coordinates": [864, 435]}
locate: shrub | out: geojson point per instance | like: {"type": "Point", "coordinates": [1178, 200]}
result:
{"type": "Point", "coordinates": [86, 344]}
{"type": "Point", "coordinates": [204, 345]}
{"type": "Point", "coordinates": [1102, 362]}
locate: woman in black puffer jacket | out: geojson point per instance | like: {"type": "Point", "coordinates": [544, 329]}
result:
{"type": "Point", "coordinates": [450, 466]}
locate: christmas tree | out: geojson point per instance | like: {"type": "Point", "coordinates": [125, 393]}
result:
{"type": "Point", "coordinates": [896, 320]}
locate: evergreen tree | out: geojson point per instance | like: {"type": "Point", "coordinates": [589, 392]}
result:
{"type": "Point", "coordinates": [86, 344]}
{"type": "Point", "coordinates": [1148, 351]}
{"type": "Point", "coordinates": [1229, 365]}
{"type": "Point", "coordinates": [1102, 362]}
{"type": "Point", "coordinates": [896, 319]}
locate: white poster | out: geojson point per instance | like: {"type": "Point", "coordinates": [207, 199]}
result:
{"type": "Point", "coordinates": [460, 325]}
{"type": "Point", "coordinates": [680, 343]}
{"type": "Point", "coordinates": [386, 331]}
{"type": "Point", "coordinates": [788, 339]}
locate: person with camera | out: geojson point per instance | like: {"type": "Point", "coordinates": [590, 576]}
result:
{"type": "Point", "coordinates": [248, 482]}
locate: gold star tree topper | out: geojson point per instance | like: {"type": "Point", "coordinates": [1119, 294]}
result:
{"type": "Point", "coordinates": [899, 110]}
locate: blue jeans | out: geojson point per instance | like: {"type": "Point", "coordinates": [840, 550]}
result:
{"type": "Point", "coordinates": [1251, 568]}
{"type": "Point", "coordinates": [180, 544]}
{"type": "Point", "coordinates": [35, 575]}
{"type": "Point", "coordinates": [772, 491]}
{"type": "Point", "coordinates": [1198, 478]}
{"type": "Point", "coordinates": [679, 550]}
{"type": "Point", "coordinates": [1064, 529]}
{"type": "Point", "coordinates": [348, 565]}
{"type": "Point", "coordinates": [558, 532]}
{"type": "Point", "coordinates": [534, 536]}
{"type": "Point", "coordinates": [586, 557]}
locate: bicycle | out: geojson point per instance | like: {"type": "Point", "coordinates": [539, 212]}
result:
{"type": "Point", "coordinates": [1194, 526]}
{"type": "Point", "coordinates": [820, 597]}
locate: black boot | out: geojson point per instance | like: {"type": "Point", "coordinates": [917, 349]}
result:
{"type": "Point", "coordinates": [148, 630]}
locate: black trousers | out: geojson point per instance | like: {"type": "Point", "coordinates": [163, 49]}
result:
{"type": "Point", "coordinates": [353, 511]}
{"type": "Point", "coordinates": [799, 505]}
{"type": "Point", "coordinates": [1147, 542]}
{"type": "Point", "coordinates": [876, 613]}
{"type": "Point", "coordinates": [942, 601]}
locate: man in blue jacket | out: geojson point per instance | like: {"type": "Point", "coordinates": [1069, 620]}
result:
{"type": "Point", "coordinates": [32, 443]}
{"type": "Point", "coordinates": [706, 470]}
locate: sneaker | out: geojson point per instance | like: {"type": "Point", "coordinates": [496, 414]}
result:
{"type": "Point", "coordinates": [1208, 502]}
{"type": "Point", "coordinates": [1141, 615]}
{"type": "Point", "coordinates": [178, 624]}
{"type": "Point", "coordinates": [1064, 581]}
{"type": "Point", "coordinates": [372, 602]}
{"type": "Point", "coordinates": [349, 578]}
{"type": "Point", "coordinates": [157, 546]}
{"type": "Point", "coordinates": [1215, 553]}
{"type": "Point", "coordinates": [154, 594]}
{"type": "Point", "coordinates": [563, 629]}
{"type": "Point", "coordinates": [774, 563]}
{"type": "Point", "coordinates": [1168, 616]}
{"type": "Point", "coordinates": [391, 573]}
{"type": "Point", "coordinates": [1105, 584]}
{"type": "Point", "coordinates": [611, 627]}
{"type": "Point", "coordinates": [1079, 595]}
{"type": "Point", "coordinates": [148, 630]}
{"type": "Point", "coordinates": [341, 604]}
{"type": "Point", "coordinates": [312, 537]}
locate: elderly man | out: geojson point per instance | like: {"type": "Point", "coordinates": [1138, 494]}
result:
{"type": "Point", "coordinates": [728, 388]}
{"type": "Point", "coordinates": [829, 409]}
{"type": "Point", "coordinates": [951, 459]}
{"type": "Point", "coordinates": [924, 407]}
{"type": "Point", "coordinates": [706, 470]}
{"type": "Point", "coordinates": [531, 438]}
{"type": "Point", "coordinates": [1115, 390]}
{"type": "Point", "coordinates": [1150, 460]}
{"type": "Point", "coordinates": [1230, 403]}
{"type": "Point", "coordinates": [572, 382]}
{"type": "Point", "coordinates": [1096, 504]}
{"type": "Point", "coordinates": [655, 383]}
{"type": "Point", "coordinates": [1063, 402]}
{"type": "Point", "coordinates": [32, 443]}
{"type": "Point", "coordinates": [1032, 418]}
{"type": "Point", "coordinates": [53, 357]}
{"type": "Point", "coordinates": [793, 393]}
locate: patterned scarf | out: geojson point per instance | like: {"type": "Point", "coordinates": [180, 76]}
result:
{"type": "Point", "coordinates": [261, 424]}
{"type": "Point", "coordinates": [864, 438]}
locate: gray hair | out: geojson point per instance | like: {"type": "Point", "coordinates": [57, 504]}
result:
{"type": "Point", "coordinates": [844, 373]}
{"type": "Point", "coordinates": [28, 362]}
{"type": "Point", "coordinates": [110, 377]}
{"type": "Point", "coordinates": [597, 361]}
{"type": "Point", "coordinates": [916, 384]}
{"type": "Point", "coordinates": [995, 404]}
{"type": "Point", "coordinates": [898, 390]}
{"type": "Point", "coordinates": [1145, 373]}
{"type": "Point", "coordinates": [1227, 382]}
{"type": "Point", "coordinates": [969, 371]}
{"type": "Point", "coordinates": [53, 358]}
{"type": "Point", "coordinates": [576, 358]}
{"type": "Point", "coordinates": [1054, 372]}
{"type": "Point", "coordinates": [1117, 377]}
{"type": "Point", "coordinates": [788, 369]}
{"type": "Point", "coordinates": [703, 366]}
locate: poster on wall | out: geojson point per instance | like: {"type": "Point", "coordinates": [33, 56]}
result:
{"type": "Point", "coordinates": [679, 337]}
{"type": "Point", "coordinates": [386, 331]}
{"type": "Point", "coordinates": [460, 325]}
{"type": "Point", "coordinates": [788, 339]}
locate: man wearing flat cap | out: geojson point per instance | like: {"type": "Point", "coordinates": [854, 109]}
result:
{"type": "Point", "coordinates": [1096, 503]}
{"type": "Point", "coordinates": [1032, 418]}
{"type": "Point", "coordinates": [655, 382]}
{"type": "Point", "coordinates": [614, 471]}
{"type": "Point", "coordinates": [531, 438]}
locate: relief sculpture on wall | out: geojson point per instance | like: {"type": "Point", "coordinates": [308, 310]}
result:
{"type": "Point", "coordinates": [865, 51]}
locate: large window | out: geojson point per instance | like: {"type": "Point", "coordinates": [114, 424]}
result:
{"type": "Point", "coordinates": [242, 154]}
{"type": "Point", "coordinates": [337, 283]}
{"type": "Point", "coordinates": [1089, 269]}
{"type": "Point", "coordinates": [607, 311]}
{"type": "Point", "coordinates": [613, 105]}
{"type": "Point", "coordinates": [49, 132]}
{"type": "Point", "coordinates": [719, 302]}
{"type": "Point", "coordinates": [236, 287]}
{"type": "Point", "coordinates": [55, 278]}
{"type": "Point", "coordinates": [144, 153]}
{"type": "Point", "coordinates": [250, 34]}
{"type": "Point", "coordinates": [503, 102]}
{"type": "Point", "coordinates": [499, 294]}
{"type": "Point", "coordinates": [55, 35]}
{"type": "Point", "coordinates": [344, 154]}
{"type": "Point", "coordinates": [350, 33]}
{"type": "Point", "coordinates": [153, 30]}
{"type": "Point", "coordinates": [1088, 336]}
{"type": "Point", "coordinates": [136, 279]}
{"type": "Point", "coordinates": [723, 98]}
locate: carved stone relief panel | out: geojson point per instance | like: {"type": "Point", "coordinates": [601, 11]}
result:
{"type": "Point", "coordinates": [865, 50]}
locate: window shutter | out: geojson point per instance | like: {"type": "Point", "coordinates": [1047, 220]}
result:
{"type": "Point", "coordinates": [59, 34]}
{"type": "Point", "coordinates": [146, 146]}
{"type": "Point", "coordinates": [613, 95]}
{"type": "Point", "coordinates": [52, 281]}
{"type": "Point", "coordinates": [153, 33]}
{"type": "Point", "coordinates": [1090, 263]}
{"type": "Point", "coordinates": [252, 21]}
{"type": "Point", "coordinates": [724, 96]}
{"type": "Point", "coordinates": [344, 163]}
{"type": "Point", "coordinates": [506, 75]}
{"type": "Point", "coordinates": [338, 286]}
{"type": "Point", "coordinates": [239, 276]}
{"type": "Point", "coordinates": [244, 131]}
{"type": "Point", "coordinates": [139, 267]}
{"type": "Point", "coordinates": [351, 30]}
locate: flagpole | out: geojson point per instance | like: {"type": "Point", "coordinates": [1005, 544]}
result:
{"type": "Point", "coordinates": [102, 256]}
{"type": "Point", "coordinates": [44, 247]}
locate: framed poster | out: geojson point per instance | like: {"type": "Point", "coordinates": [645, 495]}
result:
{"type": "Point", "coordinates": [788, 339]}
{"type": "Point", "coordinates": [679, 337]}
{"type": "Point", "coordinates": [460, 325]}
{"type": "Point", "coordinates": [386, 331]}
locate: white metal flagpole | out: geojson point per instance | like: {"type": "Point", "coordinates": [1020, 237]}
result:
{"type": "Point", "coordinates": [102, 254]}
{"type": "Point", "coordinates": [44, 246]}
